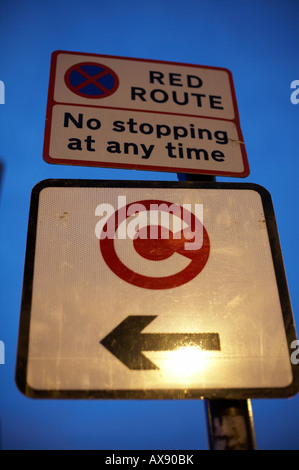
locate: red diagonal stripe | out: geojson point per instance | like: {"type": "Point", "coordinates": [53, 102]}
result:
{"type": "Point", "coordinates": [91, 79]}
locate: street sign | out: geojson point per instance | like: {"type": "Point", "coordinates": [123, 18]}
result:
{"type": "Point", "coordinates": [118, 112]}
{"type": "Point", "coordinates": [154, 290]}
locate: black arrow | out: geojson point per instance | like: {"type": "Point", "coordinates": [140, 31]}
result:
{"type": "Point", "coordinates": [127, 343]}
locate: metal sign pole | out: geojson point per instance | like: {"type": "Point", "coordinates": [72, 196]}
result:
{"type": "Point", "coordinates": [229, 422]}
{"type": "Point", "coordinates": [230, 425]}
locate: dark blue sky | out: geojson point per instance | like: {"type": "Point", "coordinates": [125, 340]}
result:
{"type": "Point", "coordinates": [258, 42]}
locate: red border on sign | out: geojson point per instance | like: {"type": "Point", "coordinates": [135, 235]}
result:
{"type": "Point", "coordinates": [64, 161]}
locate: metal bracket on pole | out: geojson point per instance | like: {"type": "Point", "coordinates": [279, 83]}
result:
{"type": "Point", "coordinates": [191, 177]}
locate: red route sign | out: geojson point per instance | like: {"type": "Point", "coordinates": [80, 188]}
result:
{"type": "Point", "coordinates": [120, 112]}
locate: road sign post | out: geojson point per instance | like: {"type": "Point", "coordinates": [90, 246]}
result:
{"type": "Point", "coordinates": [230, 425]}
{"type": "Point", "coordinates": [221, 303]}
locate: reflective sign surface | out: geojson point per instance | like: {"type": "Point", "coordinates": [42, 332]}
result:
{"type": "Point", "coordinates": [154, 290]}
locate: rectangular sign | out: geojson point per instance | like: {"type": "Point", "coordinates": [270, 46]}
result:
{"type": "Point", "coordinates": [154, 290]}
{"type": "Point", "coordinates": [141, 114]}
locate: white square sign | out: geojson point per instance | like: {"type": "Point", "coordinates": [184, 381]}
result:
{"type": "Point", "coordinates": [154, 290]}
{"type": "Point", "coordinates": [119, 112]}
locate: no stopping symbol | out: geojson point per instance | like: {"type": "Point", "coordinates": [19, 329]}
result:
{"type": "Point", "coordinates": [157, 243]}
{"type": "Point", "coordinates": [91, 80]}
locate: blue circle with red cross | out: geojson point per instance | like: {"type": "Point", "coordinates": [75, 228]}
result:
{"type": "Point", "coordinates": [91, 80]}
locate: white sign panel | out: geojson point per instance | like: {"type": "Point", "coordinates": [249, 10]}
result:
{"type": "Point", "coordinates": [154, 290]}
{"type": "Point", "coordinates": [141, 114]}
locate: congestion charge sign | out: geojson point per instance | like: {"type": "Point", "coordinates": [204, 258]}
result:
{"type": "Point", "coordinates": [117, 112]}
{"type": "Point", "coordinates": [154, 290]}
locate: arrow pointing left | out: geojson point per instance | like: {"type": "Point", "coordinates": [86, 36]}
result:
{"type": "Point", "coordinates": [126, 342]}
